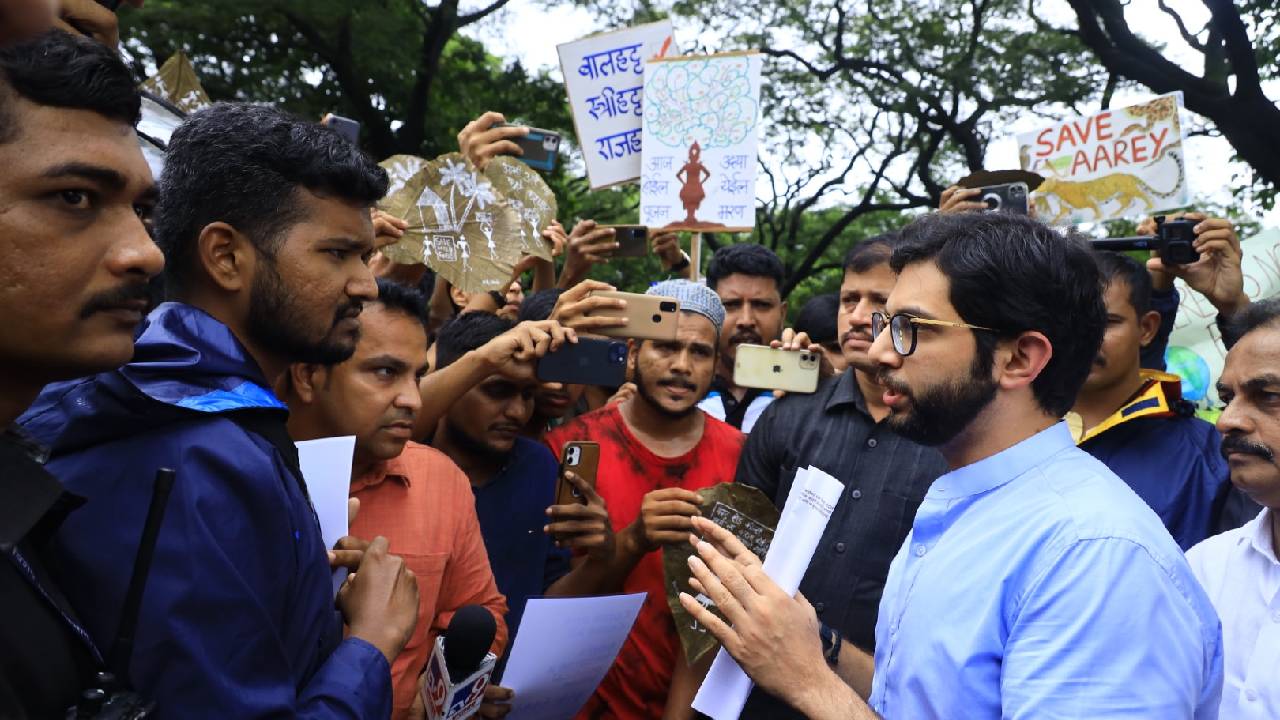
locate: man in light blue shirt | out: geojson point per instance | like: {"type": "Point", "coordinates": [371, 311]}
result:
{"type": "Point", "coordinates": [1034, 582]}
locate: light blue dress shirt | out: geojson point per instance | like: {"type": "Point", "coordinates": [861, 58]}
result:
{"type": "Point", "coordinates": [1036, 584]}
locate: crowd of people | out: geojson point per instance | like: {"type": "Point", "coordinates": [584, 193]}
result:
{"type": "Point", "coordinates": [1034, 523]}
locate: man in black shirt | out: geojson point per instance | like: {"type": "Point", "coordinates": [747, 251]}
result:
{"type": "Point", "coordinates": [838, 429]}
{"type": "Point", "coordinates": [75, 259]}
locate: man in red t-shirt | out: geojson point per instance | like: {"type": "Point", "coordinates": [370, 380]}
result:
{"type": "Point", "coordinates": [656, 449]}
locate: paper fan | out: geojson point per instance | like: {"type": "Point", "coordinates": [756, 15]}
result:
{"type": "Point", "coordinates": [458, 225]}
{"type": "Point", "coordinates": [529, 196]}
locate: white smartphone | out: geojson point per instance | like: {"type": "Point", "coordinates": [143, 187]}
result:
{"type": "Point", "coordinates": [760, 366]}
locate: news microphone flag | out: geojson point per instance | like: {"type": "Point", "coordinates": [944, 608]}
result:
{"type": "Point", "coordinates": [450, 699]}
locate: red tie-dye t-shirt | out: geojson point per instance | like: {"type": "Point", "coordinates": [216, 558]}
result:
{"type": "Point", "coordinates": [636, 687]}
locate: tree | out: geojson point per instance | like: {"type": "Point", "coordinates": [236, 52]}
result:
{"type": "Point", "coordinates": [399, 67]}
{"type": "Point", "coordinates": [1239, 46]}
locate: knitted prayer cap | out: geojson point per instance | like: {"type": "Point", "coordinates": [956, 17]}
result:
{"type": "Point", "coordinates": [694, 297]}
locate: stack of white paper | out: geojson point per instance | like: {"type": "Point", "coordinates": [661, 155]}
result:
{"type": "Point", "coordinates": [326, 469]}
{"type": "Point", "coordinates": [812, 499]}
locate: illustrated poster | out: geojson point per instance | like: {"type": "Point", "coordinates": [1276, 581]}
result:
{"type": "Point", "coordinates": [699, 143]}
{"type": "Point", "coordinates": [1122, 162]}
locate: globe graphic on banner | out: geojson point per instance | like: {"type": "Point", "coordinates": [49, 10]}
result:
{"type": "Point", "coordinates": [1193, 370]}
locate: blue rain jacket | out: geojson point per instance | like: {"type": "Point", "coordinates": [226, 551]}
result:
{"type": "Point", "coordinates": [238, 618]}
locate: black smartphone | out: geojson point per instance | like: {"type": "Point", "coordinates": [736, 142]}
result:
{"type": "Point", "coordinates": [1010, 198]}
{"type": "Point", "coordinates": [346, 127]}
{"type": "Point", "coordinates": [111, 5]}
{"type": "Point", "coordinates": [633, 240]}
{"type": "Point", "coordinates": [590, 361]}
{"type": "Point", "coordinates": [540, 148]}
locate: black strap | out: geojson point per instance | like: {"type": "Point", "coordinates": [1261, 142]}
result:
{"type": "Point", "coordinates": [739, 412]}
{"type": "Point", "coordinates": [270, 426]}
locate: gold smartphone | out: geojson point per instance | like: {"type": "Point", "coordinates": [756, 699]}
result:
{"type": "Point", "coordinates": [583, 458]}
{"type": "Point", "coordinates": [649, 317]}
{"type": "Point", "coordinates": [759, 366]}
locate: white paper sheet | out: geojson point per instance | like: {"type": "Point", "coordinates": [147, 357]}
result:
{"type": "Point", "coordinates": [562, 651]}
{"type": "Point", "coordinates": [326, 468]}
{"type": "Point", "coordinates": [812, 499]}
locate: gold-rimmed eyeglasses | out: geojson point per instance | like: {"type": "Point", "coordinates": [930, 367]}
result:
{"type": "Point", "coordinates": [903, 327]}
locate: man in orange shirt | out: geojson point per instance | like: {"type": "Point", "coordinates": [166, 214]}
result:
{"type": "Point", "coordinates": [410, 493]}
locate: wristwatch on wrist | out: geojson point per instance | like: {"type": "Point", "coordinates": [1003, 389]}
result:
{"type": "Point", "coordinates": [831, 642]}
{"type": "Point", "coordinates": [684, 263]}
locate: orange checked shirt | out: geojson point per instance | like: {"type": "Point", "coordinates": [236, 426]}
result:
{"type": "Point", "coordinates": [422, 503]}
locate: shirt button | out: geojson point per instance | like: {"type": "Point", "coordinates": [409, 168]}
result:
{"type": "Point", "coordinates": [1251, 694]}
{"type": "Point", "coordinates": [839, 547]}
{"type": "Point", "coordinates": [820, 607]}
{"type": "Point", "coordinates": [871, 442]}
{"type": "Point", "coordinates": [1275, 616]}
{"type": "Point", "coordinates": [920, 550]}
{"type": "Point", "coordinates": [855, 494]}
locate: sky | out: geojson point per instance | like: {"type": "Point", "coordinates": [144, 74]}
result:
{"type": "Point", "coordinates": [1209, 175]}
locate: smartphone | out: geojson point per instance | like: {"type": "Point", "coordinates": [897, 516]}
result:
{"type": "Point", "coordinates": [633, 240]}
{"type": "Point", "coordinates": [111, 5]}
{"type": "Point", "coordinates": [1010, 198]}
{"type": "Point", "coordinates": [649, 317]}
{"type": "Point", "coordinates": [590, 361]}
{"type": "Point", "coordinates": [346, 127]}
{"type": "Point", "coordinates": [583, 458]}
{"type": "Point", "coordinates": [760, 366]}
{"type": "Point", "coordinates": [540, 148]}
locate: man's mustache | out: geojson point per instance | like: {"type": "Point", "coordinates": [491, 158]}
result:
{"type": "Point", "coordinates": [1239, 444]}
{"type": "Point", "coordinates": [856, 333]}
{"type": "Point", "coordinates": [749, 337]}
{"type": "Point", "coordinates": [124, 296]}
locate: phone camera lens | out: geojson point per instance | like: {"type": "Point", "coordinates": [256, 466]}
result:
{"type": "Point", "coordinates": [668, 307]}
{"type": "Point", "coordinates": [657, 318]}
{"type": "Point", "coordinates": [992, 200]}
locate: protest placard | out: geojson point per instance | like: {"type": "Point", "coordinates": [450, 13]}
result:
{"type": "Point", "coordinates": [603, 75]}
{"type": "Point", "coordinates": [1121, 162]}
{"type": "Point", "coordinates": [699, 142]}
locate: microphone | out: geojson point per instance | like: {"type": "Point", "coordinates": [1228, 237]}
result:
{"type": "Point", "coordinates": [460, 665]}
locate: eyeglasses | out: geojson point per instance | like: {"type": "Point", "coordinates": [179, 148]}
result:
{"type": "Point", "coordinates": [902, 329]}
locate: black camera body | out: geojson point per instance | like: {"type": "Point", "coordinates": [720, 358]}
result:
{"type": "Point", "coordinates": [1174, 240]}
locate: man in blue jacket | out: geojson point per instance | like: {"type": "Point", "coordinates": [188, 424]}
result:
{"type": "Point", "coordinates": [1136, 422]}
{"type": "Point", "coordinates": [265, 225]}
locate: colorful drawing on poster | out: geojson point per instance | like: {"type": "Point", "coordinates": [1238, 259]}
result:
{"type": "Point", "coordinates": [1122, 162]}
{"type": "Point", "coordinates": [459, 225]}
{"type": "Point", "coordinates": [700, 142]}
{"type": "Point", "coordinates": [603, 75]}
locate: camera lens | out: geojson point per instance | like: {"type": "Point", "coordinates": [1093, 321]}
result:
{"type": "Point", "coordinates": [657, 318]}
{"type": "Point", "coordinates": [617, 354]}
{"type": "Point", "coordinates": [992, 200]}
{"type": "Point", "coordinates": [667, 307]}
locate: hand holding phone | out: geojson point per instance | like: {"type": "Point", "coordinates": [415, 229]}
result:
{"type": "Point", "coordinates": [582, 458]}
{"type": "Point", "coordinates": [649, 317]}
{"type": "Point", "coordinates": [633, 240]}
{"type": "Point", "coordinates": [758, 366]}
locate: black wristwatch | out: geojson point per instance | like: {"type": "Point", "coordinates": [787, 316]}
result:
{"type": "Point", "coordinates": [831, 642]}
{"type": "Point", "coordinates": [684, 263]}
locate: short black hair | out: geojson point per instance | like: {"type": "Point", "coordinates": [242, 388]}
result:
{"type": "Point", "coordinates": [818, 318]}
{"type": "Point", "coordinates": [402, 299]}
{"type": "Point", "coordinates": [245, 165]}
{"type": "Point", "coordinates": [467, 332]}
{"type": "Point", "coordinates": [748, 259]}
{"type": "Point", "coordinates": [58, 69]}
{"type": "Point", "coordinates": [1254, 316]}
{"type": "Point", "coordinates": [870, 253]}
{"type": "Point", "coordinates": [1015, 274]}
{"type": "Point", "coordinates": [538, 306]}
{"type": "Point", "coordinates": [1117, 266]}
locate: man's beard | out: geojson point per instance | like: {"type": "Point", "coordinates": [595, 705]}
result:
{"type": "Point", "coordinates": [276, 322]}
{"type": "Point", "coordinates": [642, 389]}
{"type": "Point", "coordinates": [941, 412]}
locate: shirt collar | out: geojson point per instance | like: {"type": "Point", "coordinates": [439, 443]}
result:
{"type": "Point", "coordinates": [29, 495]}
{"type": "Point", "coordinates": [1259, 536]}
{"type": "Point", "coordinates": [992, 472]}
{"type": "Point", "coordinates": [395, 469]}
{"type": "Point", "coordinates": [847, 392]}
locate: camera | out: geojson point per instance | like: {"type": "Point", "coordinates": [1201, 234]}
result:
{"type": "Point", "coordinates": [617, 354]}
{"type": "Point", "coordinates": [1174, 240]}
